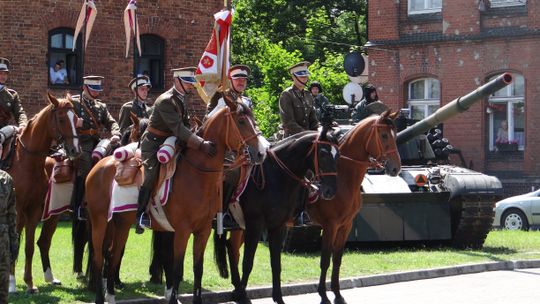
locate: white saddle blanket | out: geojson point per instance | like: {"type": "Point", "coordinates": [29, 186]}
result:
{"type": "Point", "coordinates": [57, 200]}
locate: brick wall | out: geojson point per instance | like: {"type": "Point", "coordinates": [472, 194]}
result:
{"type": "Point", "coordinates": [185, 27]}
{"type": "Point", "coordinates": [462, 48]}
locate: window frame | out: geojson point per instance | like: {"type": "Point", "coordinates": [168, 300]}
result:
{"type": "Point", "coordinates": [428, 8]}
{"type": "Point", "coordinates": [426, 101]}
{"type": "Point", "coordinates": [64, 31]}
{"type": "Point", "coordinates": [157, 85]}
{"type": "Point", "coordinates": [509, 100]}
{"type": "Point", "coordinates": [507, 3]}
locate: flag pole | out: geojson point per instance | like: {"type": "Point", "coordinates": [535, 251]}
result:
{"type": "Point", "coordinates": [136, 55]}
{"type": "Point", "coordinates": [83, 42]}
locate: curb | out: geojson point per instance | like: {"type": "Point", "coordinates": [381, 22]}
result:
{"type": "Point", "coordinates": [363, 281]}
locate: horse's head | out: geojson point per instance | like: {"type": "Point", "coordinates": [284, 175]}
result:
{"type": "Point", "coordinates": [325, 154]}
{"type": "Point", "coordinates": [134, 132]}
{"type": "Point", "coordinates": [381, 143]}
{"type": "Point", "coordinates": [62, 125]}
{"type": "Point", "coordinates": [242, 133]}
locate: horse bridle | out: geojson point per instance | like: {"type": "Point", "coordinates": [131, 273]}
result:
{"type": "Point", "coordinates": [60, 138]}
{"type": "Point", "coordinates": [382, 157]}
{"type": "Point", "coordinates": [309, 184]}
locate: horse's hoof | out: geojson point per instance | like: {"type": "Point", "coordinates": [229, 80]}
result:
{"type": "Point", "coordinates": [32, 290]}
{"type": "Point", "coordinates": [326, 301]}
{"type": "Point", "coordinates": [110, 298]}
{"type": "Point", "coordinates": [168, 293]}
{"type": "Point", "coordinates": [340, 300]}
{"type": "Point", "coordinates": [80, 276]}
{"type": "Point", "coordinates": [12, 286]}
{"type": "Point", "coordinates": [119, 285]}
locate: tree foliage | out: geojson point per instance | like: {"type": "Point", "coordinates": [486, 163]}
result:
{"type": "Point", "coordinates": [271, 35]}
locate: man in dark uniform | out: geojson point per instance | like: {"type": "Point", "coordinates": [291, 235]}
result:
{"type": "Point", "coordinates": [369, 105]}
{"type": "Point", "coordinates": [296, 104]}
{"type": "Point", "coordinates": [140, 86]}
{"type": "Point", "coordinates": [8, 235]}
{"type": "Point", "coordinates": [320, 100]}
{"type": "Point", "coordinates": [11, 110]}
{"type": "Point", "coordinates": [169, 118]}
{"type": "Point", "coordinates": [238, 76]}
{"type": "Point", "coordinates": [95, 120]}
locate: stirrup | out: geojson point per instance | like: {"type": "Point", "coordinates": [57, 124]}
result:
{"type": "Point", "coordinates": [144, 221]}
{"type": "Point", "coordinates": [81, 214]}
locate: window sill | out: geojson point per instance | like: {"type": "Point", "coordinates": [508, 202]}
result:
{"type": "Point", "coordinates": [505, 155]}
{"type": "Point", "coordinates": [505, 11]}
{"type": "Point", "coordinates": [65, 86]}
{"type": "Point", "coordinates": [425, 17]}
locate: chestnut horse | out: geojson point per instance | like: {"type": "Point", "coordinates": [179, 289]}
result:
{"type": "Point", "coordinates": [269, 205]}
{"type": "Point", "coordinates": [56, 122]}
{"type": "Point", "coordinates": [193, 203]}
{"type": "Point", "coordinates": [374, 137]}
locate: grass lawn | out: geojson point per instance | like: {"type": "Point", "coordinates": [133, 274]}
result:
{"type": "Point", "coordinates": [499, 246]}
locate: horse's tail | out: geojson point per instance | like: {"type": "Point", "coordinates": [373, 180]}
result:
{"type": "Point", "coordinates": [220, 253]}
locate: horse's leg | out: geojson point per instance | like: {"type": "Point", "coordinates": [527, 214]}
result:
{"type": "Point", "coordinates": [328, 236]}
{"type": "Point", "coordinates": [234, 243]}
{"type": "Point", "coordinates": [79, 237]}
{"type": "Point", "coordinates": [199, 245]}
{"type": "Point", "coordinates": [275, 241]}
{"type": "Point", "coordinates": [44, 244]}
{"type": "Point", "coordinates": [30, 233]}
{"type": "Point", "coordinates": [122, 223]}
{"type": "Point", "coordinates": [117, 282]}
{"type": "Point", "coordinates": [99, 228]}
{"type": "Point", "coordinates": [252, 236]}
{"type": "Point", "coordinates": [337, 255]}
{"type": "Point", "coordinates": [180, 243]}
{"type": "Point", "coordinates": [156, 265]}
{"type": "Point", "coordinates": [163, 251]}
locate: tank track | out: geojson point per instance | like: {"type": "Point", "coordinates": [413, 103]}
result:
{"type": "Point", "coordinates": [472, 219]}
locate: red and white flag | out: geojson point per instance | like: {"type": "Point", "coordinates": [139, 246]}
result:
{"type": "Point", "coordinates": [87, 16]}
{"type": "Point", "coordinates": [213, 67]}
{"type": "Point", "coordinates": [131, 25]}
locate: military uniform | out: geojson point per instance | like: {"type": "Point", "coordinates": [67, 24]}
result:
{"type": "Point", "coordinates": [11, 110]}
{"type": "Point", "coordinates": [238, 71]}
{"type": "Point", "coordinates": [9, 238]}
{"type": "Point", "coordinates": [137, 107]}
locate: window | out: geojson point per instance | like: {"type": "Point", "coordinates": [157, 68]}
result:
{"type": "Point", "coordinates": [506, 114]}
{"type": "Point", "coordinates": [151, 61]}
{"type": "Point", "coordinates": [504, 3]}
{"type": "Point", "coordinates": [64, 68]}
{"type": "Point", "coordinates": [424, 6]}
{"type": "Point", "coordinates": [424, 97]}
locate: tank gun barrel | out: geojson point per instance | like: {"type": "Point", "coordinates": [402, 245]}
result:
{"type": "Point", "coordinates": [456, 106]}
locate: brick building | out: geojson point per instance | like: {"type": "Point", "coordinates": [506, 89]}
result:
{"type": "Point", "coordinates": [34, 35]}
{"type": "Point", "coordinates": [425, 53]}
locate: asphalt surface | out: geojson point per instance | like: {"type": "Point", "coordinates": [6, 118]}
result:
{"type": "Point", "coordinates": [493, 283]}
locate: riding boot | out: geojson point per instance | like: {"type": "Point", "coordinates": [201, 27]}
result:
{"type": "Point", "coordinates": [143, 220]}
{"type": "Point", "coordinates": [77, 198]}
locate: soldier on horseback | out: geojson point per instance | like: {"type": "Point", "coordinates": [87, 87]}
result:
{"type": "Point", "coordinates": [95, 117]}
{"type": "Point", "coordinates": [10, 106]}
{"type": "Point", "coordinates": [140, 86]}
{"type": "Point", "coordinates": [169, 118]}
{"type": "Point", "coordinates": [238, 75]}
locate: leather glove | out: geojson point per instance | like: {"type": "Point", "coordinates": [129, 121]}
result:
{"type": "Point", "coordinates": [208, 147]}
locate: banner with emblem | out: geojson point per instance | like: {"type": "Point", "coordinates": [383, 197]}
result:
{"type": "Point", "coordinates": [131, 25]}
{"type": "Point", "coordinates": [212, 69]}
{"type": "Point", "coordinates": [87, 16]}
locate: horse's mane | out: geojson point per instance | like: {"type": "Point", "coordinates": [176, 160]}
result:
{"type": "Point", "coordinates": [386, 120]}
{"type": "Point", "coordinates": [245, 109]}
{"type": "Point", "coordinates": [287, 141]}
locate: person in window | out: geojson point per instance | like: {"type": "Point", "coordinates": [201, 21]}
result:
{"type": "Point", "coordinates": [502, 133]}
{"type": "Point", "coordinates": [369, 105]}
{"type": "Point", "coordinates": [318, 97]}
{"type": "Point", "coordinates": [296, 109]}
{"type": "Point", "coordinates": [238, 74]}
{"type": "Point", "coordinates": [169, 118]}
{"type": "Point", "coordinates": [12, 115]}
{"type": "Point", "coordinates": [95, 119]}
{"type": "Point", "coordinates": [58, 73]}
{"type": "Point", "coordinates": [140, 86]}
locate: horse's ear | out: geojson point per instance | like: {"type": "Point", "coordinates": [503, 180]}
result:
{"type": "Point", "coordinates": [230, 103]}
{"type": "Point", "coordinates": [394, 115]}
{"type": "Point", "coordinates": [52, 99]}
{"type": "Point", "coordinates": [134, 118]}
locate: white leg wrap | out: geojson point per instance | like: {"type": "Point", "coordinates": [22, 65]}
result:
{"type": "Point", "coordinates": [110, 298]}
{"type": "Point", "coordinates": [168, 293]}
{"type": "Point", "coordinates": [12, 285]}
{"type": "Point", "coordinates": [49, 277]}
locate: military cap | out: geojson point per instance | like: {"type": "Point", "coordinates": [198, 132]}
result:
{"type": "Point", "coordinates": [185, 74]}
{"type": "Point", "coordinates": [140, 81]}
{"type": "Point", "coordinates": [4, 64]}
{"type": "Point", "coordinates": [93, 82]}
{"type": "Point", "coordinates": [239, 71]}
{"type": "Point", "coordinates": [300, 69]}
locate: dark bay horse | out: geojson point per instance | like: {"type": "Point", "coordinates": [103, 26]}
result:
{"type": "Point", "coordinates": [194, 201]}
{"type": "Point", "coordinates": [56, 122]}
{"type": "Point", "coordinates": [270, 205]}
{"type": "Point", "coordinates": [374, 137]}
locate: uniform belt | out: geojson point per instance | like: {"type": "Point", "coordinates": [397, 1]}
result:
{"type": "Point", "coordinates": [158, 132]}
{"type": "Point", "coordinates": [88, 132]}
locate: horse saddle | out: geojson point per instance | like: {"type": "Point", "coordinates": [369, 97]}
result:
{"type": "Point", "coordinates": [63, 171]}
{"type": "Point", "coordinates": [129, 172]}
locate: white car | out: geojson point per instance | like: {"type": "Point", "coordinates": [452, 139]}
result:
{"type": "Point", "coordinates": [518, 212]}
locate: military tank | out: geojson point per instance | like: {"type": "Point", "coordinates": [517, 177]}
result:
{"type": "Point", "coordinates": [430, 199]}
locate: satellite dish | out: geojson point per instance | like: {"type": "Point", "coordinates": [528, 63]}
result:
{"type": "Point", "coordinates": [352, 93]}
{"type": "Point", "coordinates": [354, 64]}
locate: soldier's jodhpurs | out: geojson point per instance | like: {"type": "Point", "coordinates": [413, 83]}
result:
{"type": "Point", "coordinates": [149, 147]}
{"type": "Point", "coordinates": [5, 263]}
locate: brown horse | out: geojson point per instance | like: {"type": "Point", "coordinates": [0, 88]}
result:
{"type": "Point", "coordinates": [56, 122]}
{"type": "Point", "coordinates": [373, 137]}
{"type": "Point", "coordinates": [194, 201]}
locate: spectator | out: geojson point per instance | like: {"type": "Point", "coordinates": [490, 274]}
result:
{"type": "Point", "coordinates": [58, 73]}
{"type": "Point", "coordinates": [319, 99]}
{"type": "Point", "coordinates": [502, 133]}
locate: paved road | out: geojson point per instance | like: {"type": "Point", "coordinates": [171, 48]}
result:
{"type": "Point", "coordinates": [519, 286]}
